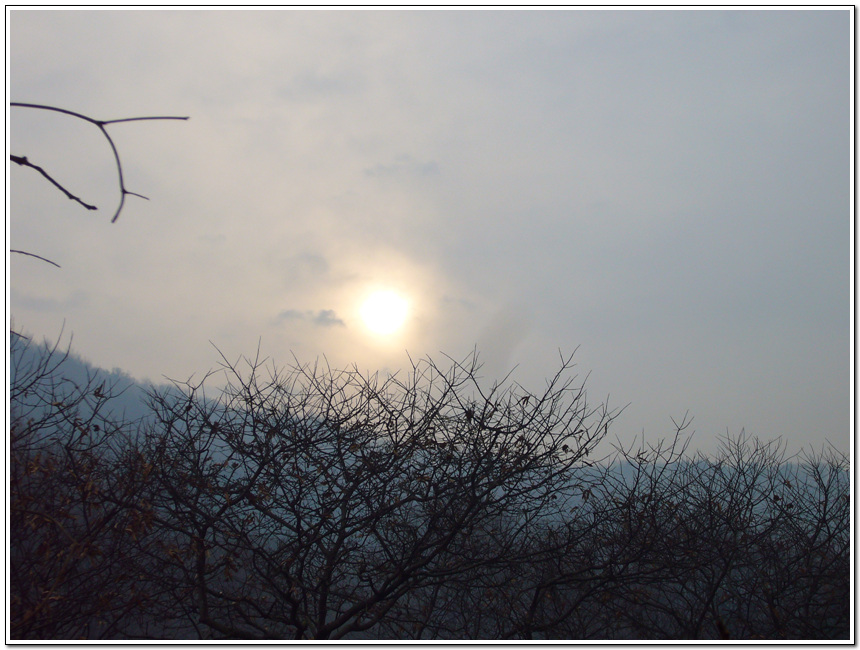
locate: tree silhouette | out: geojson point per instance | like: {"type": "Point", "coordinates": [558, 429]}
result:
{"type": "Point", "coordinates": [319, 504]}
{"type": "Point", "coordinates": [322, 504]}
{"type": "Point", "coordinates": [71, 572]}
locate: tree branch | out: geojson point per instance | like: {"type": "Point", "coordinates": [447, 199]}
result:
{"type": "Point", "coordinates": [22, 160]}
{"type": "Point", "coordinates": [101, 125]}
{"type": "Point", "coordinates": [39, 257]}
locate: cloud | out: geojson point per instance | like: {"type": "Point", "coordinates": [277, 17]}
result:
{"type": "Point", "coordinates": [24, 300]}
{"type": "Point", "coordinates": [309, 86]}
{"type": "Point", "coordinates": [327, 318]}
{"type": "Point", "coordinates": [321, 318]}
{"type": "Point", "coordinates": [403, 164]}
{"type": "Point", "coordinates": [501, 336]}
{"type": "Point", "coordinates": [306, 267]}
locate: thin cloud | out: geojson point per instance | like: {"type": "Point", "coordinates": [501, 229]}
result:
{"type": "Point", "coordinates": [25, 300]}
{"type": "Point", "coordinates": [403, 164]}
{"type": "Point", "coordinates": [321, 318]}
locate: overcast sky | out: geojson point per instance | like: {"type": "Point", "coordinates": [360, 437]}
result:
{"type": "Point", "coordinates": [668, 192]}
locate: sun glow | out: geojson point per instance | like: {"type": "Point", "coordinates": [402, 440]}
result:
{"type": "Point", "coordinates": [384, 312]}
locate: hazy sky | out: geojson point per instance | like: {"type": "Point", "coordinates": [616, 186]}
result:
{"type": "Point", "coordinates": [667, 191]}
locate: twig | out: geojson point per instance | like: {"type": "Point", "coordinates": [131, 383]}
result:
{"type": "Point", "coordinates": [22, 160]}
{"type": "Point", "coordinates": [39, 257]}
{"type": "Point", "coordinates": [101, 125]}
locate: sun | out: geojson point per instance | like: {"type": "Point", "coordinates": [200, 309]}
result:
{"type": "Point", "coordinates": [384, 312]}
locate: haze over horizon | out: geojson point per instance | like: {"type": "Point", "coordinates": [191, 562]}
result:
{"type": "Point", "coordinates": [666, 192]}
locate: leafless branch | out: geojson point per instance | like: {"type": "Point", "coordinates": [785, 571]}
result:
{"type": "Point", "coordinates": [101, 124]}
{"type": "Point", "coordinates": [22, 160]}
{"type": "Point", "coordinates": [38, 257]}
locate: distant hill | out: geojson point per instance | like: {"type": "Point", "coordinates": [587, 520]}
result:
{"type": "Point", "coordinates": [69, 371]}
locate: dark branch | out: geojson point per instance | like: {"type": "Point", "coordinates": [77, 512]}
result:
{"type": "Point", "coordinates": [101, 125]}
{"type": "Point", "coordinates": [22, 160]}
{"type": "Point", "coordinates": [38, 257]}
{"type": "Point", "coordinates": [141, 119]}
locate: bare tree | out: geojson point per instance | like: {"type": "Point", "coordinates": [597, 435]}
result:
{"type": "Point", "coordinates": [320, 504]}
{"type": "Point", "coordinates": [71, 574]}
{"type": "Point", "coordinates": [317, 504]}
{"type": "Point", "coordinates": [747, 544]}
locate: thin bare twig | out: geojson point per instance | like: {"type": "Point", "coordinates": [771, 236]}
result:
{"type": "Point", "coordinates": [101, 125]}
{"type": "Point", "coordinates": [39, 257]}
{"type": "Point", "coordinates": [22, 160]}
